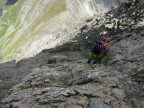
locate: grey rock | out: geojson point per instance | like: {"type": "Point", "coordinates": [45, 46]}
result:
{"type": "Point", "coordinates": [96, 103]}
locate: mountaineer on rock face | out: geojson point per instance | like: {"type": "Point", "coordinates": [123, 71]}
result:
{"type": "Point", "coordinates": [98, 50]}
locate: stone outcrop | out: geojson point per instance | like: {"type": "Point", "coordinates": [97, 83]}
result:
{"type": "Point", "coordinates": [61, 78]}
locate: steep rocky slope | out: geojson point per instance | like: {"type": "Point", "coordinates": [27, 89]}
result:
{"type": "Point", "coordinates": [61, 78]}
{"type": "Point", "coordinates": [28, 26]}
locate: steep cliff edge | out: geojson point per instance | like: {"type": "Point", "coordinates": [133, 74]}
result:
{"type": "Point", "coordinates": [61, 78]}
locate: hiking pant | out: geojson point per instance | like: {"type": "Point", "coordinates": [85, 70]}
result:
{"type": "Point", "coordinates": [96, 58]}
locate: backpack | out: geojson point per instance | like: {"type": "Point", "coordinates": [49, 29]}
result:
{"type": "Point", "coordinates": [96, 47]}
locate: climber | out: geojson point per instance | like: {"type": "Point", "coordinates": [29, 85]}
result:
{"type": "Point", "coordinates": [99, 50]}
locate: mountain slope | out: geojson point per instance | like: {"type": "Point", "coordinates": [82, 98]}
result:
{"type": "Point", "coordinates": [24, 19]}
{"type": "Point", "coordinates": [27, 27]}
{"type": "Point", "coordinates": [61, 78]}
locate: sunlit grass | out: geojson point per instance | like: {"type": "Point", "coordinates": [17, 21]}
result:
{"type": "Point", "coordinates": [8, 19]}
{"type": "Point", "coordinates": [49, 12]}
{"type": "Point", "coordinates": [93, 6]}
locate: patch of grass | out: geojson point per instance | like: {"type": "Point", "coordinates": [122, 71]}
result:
{"type": "Point", "coordinates": [3, 30]}
{"type": "Point", "coordinates": [93, 6]}
{"type": "Point", "coordinates": [7, 42]}
{"type": "Point", "coordinates": [13, 12]}
{"type": "Point", "coordinates": [81, 1]}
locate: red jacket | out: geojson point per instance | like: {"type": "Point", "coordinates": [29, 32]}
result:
{"type": "Point", "coordinates": [104, 47]}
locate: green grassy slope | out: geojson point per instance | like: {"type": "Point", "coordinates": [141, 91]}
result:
{"type": "Point", "coordinates": [11, 23]}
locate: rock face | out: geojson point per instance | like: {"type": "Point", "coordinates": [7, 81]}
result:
{"type": "Point", "coordinates": [61, 78]}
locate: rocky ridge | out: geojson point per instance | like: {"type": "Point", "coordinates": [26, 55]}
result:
{"type": "Point", "coordinates": [61, 78]}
